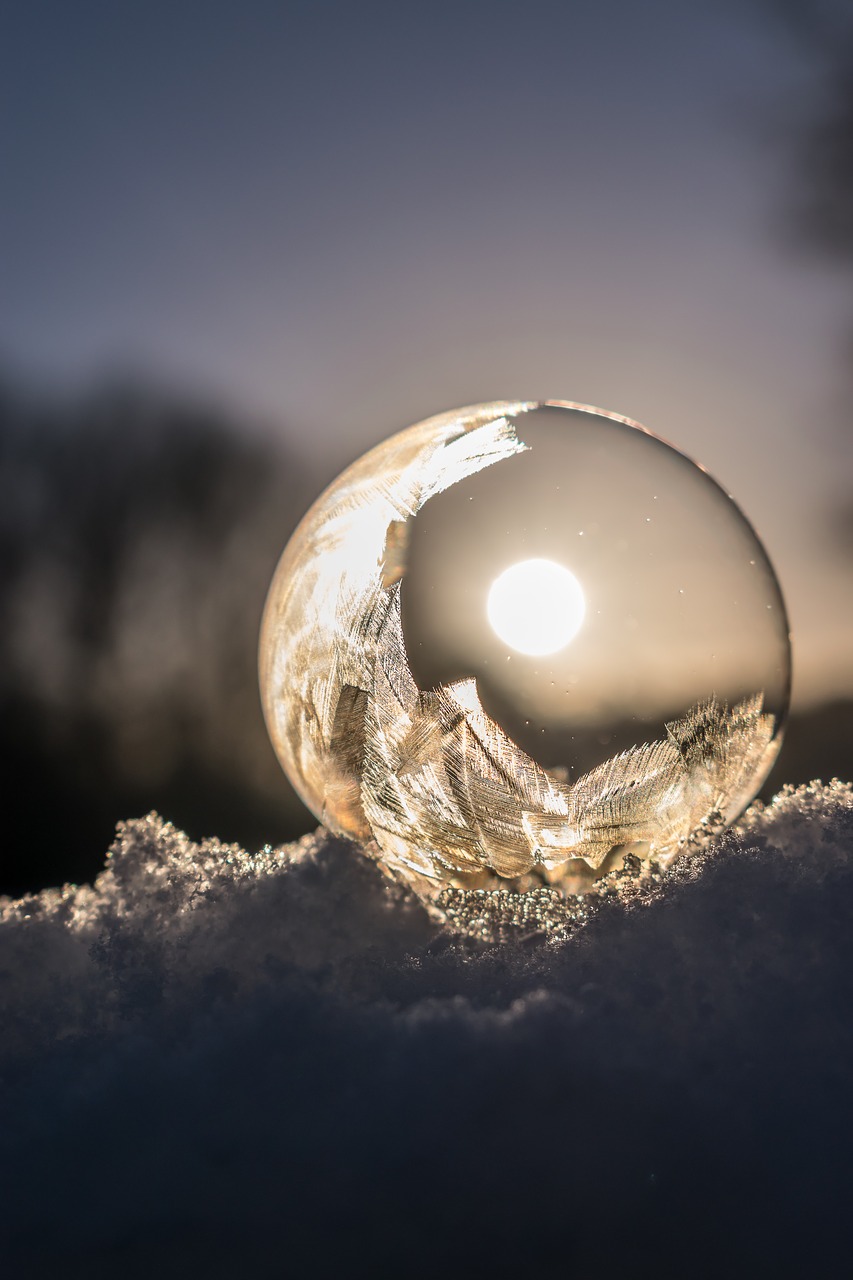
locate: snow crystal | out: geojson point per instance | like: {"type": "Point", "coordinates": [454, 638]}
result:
{"type": "Point", "coordinates": [217, 1062]}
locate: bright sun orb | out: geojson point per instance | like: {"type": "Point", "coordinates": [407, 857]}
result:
{"type": "Point", "coordinates": [536, 607]}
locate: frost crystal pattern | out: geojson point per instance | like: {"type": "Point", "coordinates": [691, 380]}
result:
{"type": "Point", "coordinates": [468, 765]}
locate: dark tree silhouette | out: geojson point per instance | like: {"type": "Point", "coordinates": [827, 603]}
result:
{"type": "Point", "coordinates": [820, 208]}
{"type": "Point", "coordinates": [137, 539]}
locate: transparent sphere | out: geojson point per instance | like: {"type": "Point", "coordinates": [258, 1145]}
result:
{"type": "Point", "coordinates": [517, 643]}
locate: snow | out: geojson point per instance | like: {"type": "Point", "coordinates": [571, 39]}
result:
{"type": "Point", "coordinates": [218, 1063]}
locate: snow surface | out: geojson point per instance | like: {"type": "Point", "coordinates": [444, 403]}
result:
{"type": "Point", "coordinates": [216, 1064]}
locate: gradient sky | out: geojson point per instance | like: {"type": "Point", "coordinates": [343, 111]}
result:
{"type": "Point", "coordinates": [339, 218]}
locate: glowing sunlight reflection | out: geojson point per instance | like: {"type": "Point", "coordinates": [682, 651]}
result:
{"type": "Point", "coordinates": [536, 607]}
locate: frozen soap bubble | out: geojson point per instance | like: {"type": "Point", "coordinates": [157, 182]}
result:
{"type": "Point", "coordinates": [518, 647]}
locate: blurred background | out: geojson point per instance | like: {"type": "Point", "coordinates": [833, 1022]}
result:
{"type": "Point", "coordinates": [241, 243]}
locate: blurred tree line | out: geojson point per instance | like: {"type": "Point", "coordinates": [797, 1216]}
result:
{"type": "Point", "coordinates": [818, 206]}
{"type": "Point", "coordinates": [138, 536]}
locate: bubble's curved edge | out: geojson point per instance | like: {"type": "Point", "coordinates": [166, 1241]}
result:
{"type": "Point", "coordinates": [329, 582]}
{"type": "Point", "coordinates": [785, 706]}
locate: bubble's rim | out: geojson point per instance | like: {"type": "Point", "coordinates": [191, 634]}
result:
{"type": "Point", "coordinates": [782, 718]}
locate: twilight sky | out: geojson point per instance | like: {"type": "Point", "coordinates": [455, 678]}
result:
{"type": "Point", "coordinates": [338, 218]}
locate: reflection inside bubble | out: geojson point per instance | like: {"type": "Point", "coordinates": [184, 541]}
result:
{"type": "Point", "coordinates": [536, 607]}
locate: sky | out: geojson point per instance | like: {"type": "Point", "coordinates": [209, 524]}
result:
{"type": "Point", "coordinates": [338, 219]}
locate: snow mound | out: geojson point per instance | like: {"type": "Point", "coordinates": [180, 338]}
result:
{"type": "Point", "coordinates": [278, 1064]}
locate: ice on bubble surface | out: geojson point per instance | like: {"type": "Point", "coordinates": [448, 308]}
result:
{"type": "Point", "coordinates": [520, 646]}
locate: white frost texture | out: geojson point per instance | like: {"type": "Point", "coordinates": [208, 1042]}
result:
{"type": "Point", "coordinates": [217, 1064]}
